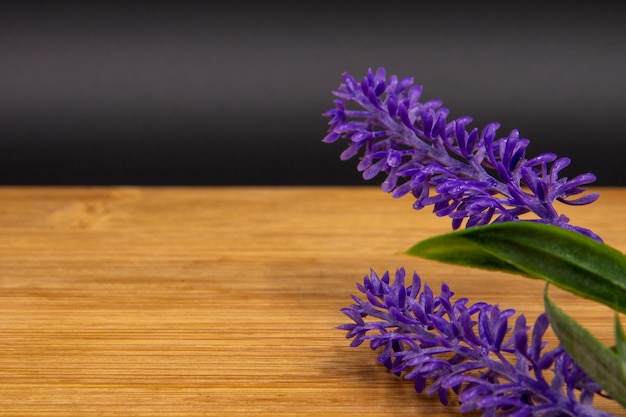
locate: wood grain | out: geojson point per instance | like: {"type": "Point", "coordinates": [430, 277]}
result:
{"type": "Point", "coordinates": [222, 301]}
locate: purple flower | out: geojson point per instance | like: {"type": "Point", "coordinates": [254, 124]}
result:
{"type": "Point", "coordinates": [475, 175]}
{"type": "Point", "coordinates": [468, 349]}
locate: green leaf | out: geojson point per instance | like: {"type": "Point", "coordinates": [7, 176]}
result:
{"type": "Point", "coordinates": [600, 362]}
{"type": "Point", "coordinates": [456, 248]}
{"type": "Point", "coordinates": [561, 257]}
{"type": "Point", "coordinates": [620, 342]}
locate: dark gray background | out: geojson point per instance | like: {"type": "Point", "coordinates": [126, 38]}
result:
{"type": "Point", "coordinates": [198, 93]}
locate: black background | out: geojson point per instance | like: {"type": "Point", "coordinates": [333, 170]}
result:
{"type": "Point", "coordinates": [214, 93]}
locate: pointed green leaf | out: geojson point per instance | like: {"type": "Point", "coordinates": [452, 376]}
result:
{"type": "Point", "coordinates": [620, 342]}
{"type": "Point", "coordinates": [561, 257]}
{"type": "Point", "coordinates": [455, 248]}
{"type": "Point", "coordinates": [598, 361]}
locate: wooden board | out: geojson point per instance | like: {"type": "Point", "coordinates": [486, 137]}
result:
{"type": "Point", "coordinates": [214, 301]}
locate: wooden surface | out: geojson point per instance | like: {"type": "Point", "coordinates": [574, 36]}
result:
{"type": "Point", "coordinates": [222, 301]}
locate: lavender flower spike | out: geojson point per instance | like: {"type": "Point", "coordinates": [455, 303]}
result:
{"type": "Point", "coordinates": [452, 346]}
{"type": "Point", "coordinates": [475, 175]}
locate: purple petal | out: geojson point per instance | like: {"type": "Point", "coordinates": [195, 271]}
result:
{"type": "Point", "coordinates": [331, 137]}
{"type": "Point", "coordinates": [589, 198]}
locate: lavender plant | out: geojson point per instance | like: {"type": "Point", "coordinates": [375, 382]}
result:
{"type": "Point", "coordinates": [489, 184]}
{"type": "Point", "coordinates": [475, 175]}
{"type": "Point", "coordinates": [447, 345]}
